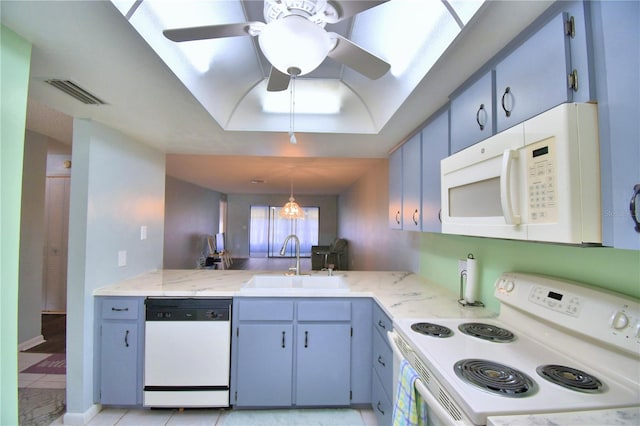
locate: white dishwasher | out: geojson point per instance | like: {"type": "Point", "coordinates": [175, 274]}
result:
{"type": "Point", "coordinates": [187, 352]}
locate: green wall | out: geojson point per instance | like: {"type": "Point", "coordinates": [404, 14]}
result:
{"type": "Point", "coordinates": [15, 57]}
{"type": "Point", "coordinates": [613, 269]}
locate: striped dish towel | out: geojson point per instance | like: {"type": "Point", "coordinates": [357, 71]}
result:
{"type": "Point", "coordinates": [410, 409]}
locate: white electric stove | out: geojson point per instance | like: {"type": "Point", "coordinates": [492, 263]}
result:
{"type": "Point", "coordinates": [556, 346]}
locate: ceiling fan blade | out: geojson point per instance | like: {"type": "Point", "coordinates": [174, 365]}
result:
{"type": "Point", "coordinates": [354, 56]}
{"type": "Point", "coordinates": [278, 81]}
{"type": "Point", "coordinates": [209, 31]}
{"type": "Point", "coordinates": [348, 8]}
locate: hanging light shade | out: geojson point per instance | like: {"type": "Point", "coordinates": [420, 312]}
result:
{"type": "Point", "coordinates": [294, 44]}
{"type": "Point", "coordinates": [291, 210]}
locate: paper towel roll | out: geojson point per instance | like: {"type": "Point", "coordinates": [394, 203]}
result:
{"type": "Point", "coordinates": [472, 280]}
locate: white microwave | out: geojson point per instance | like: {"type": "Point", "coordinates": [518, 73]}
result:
{"type": "Point", "coordinates": [537, 181]}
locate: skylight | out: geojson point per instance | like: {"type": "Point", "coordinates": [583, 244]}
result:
{"type": "Point", "coordinates": [228, 76]}
{"type": "Point", "coordinates": [313, 96]}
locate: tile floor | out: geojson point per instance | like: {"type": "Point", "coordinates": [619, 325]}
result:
{"type": "Point", "coordinates": [42, 381]}
{"type": "Point", "coordinates": [123, 417]}
{"type": "Point", "coordinates": [168, 417]}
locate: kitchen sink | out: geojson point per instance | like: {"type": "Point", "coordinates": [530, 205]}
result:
{"type": "Point", "coordinates": [313, 283]}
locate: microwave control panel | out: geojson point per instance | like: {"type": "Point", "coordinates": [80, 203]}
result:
{"type": "Point", "coordinates": [541, 181]}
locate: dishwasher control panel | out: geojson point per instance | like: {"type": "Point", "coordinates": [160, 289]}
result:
{"type": "Point", "coordinates": [187, 309]}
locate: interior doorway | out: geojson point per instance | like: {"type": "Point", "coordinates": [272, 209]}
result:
{"type": "Point", "coordinates": [54, 288]}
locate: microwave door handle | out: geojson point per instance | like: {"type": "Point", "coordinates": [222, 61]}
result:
{"type": "Point", "coordinates": [505, 187]}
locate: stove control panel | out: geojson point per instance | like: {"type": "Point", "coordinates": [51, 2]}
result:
{"type": "Point", "coordinates": [608, 317]}
{"type": "Point", "coordinates": [566, 303]}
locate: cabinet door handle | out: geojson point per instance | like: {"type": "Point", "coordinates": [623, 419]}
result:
{"type": "Point", "coordinates": [306, 339]}
{"type": "Point", "coordinates": [283, 339]}
{"type": "Point", "coordinates": [126, 339]}
{"type": "Point", "coordinates": [507, 111]}
{"type": "Point", "coordinates": [398, 217]}
{"type": "Point", "coordinates": [381, 324]}
{"type": "Point", "coordinates": [481, 109]}
{"type": "Point", "coordinates": [119, 309]}
{"type": "Point", "coordinates": [379, 409]}
{"type": "Point", "coordinates": [415, 217]}
{"type": "Point", "coordinates": [380, 361]}
{"type": "Point", "coordinates": [632, 207]}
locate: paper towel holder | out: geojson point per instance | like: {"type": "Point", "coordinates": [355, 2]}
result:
{"type": "Point", "coordinates": [463, 275]}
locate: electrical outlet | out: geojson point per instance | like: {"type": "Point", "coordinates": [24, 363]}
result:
{"type": "Point", "coordinates": [122, 258]}
{"type": "Point", "coordinates": [462, 266]}
{"type": "Point", "coordinates": [143, 232]}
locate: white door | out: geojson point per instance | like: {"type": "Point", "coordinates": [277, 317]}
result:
{"type": "Point", "coordinates": [54, 290]}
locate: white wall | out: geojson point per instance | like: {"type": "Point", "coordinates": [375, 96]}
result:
{"type": "Point", "coordinates": [117, 186]}
{"type": "Point", "coordinates": [363, 221]}
{"type": "Point", "coordinates": [239, 208]}
{"type": "Point", "coordinates": [190, 212]}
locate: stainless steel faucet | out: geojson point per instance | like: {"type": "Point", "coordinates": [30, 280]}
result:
{"type": "Point", "coordinates": [284, 247]}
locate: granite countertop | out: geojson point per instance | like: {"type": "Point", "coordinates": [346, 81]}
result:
{"type": "Point", "coordinates": [400, 294]}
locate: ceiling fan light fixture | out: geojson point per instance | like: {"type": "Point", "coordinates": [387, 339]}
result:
{"type": "Point", "coordinates": [294, 42]}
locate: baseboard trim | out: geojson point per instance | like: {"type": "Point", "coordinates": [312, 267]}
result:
{"type": "Point", "coordinates": [81, 419]}
{"type": "Point", "coordinates": [33, 342]}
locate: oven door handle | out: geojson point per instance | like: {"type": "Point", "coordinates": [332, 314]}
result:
{"type": "Point", "coordinates": [436, 408]}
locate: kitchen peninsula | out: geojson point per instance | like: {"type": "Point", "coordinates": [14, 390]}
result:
{"type": "Point", "coordinates": [396, 295]}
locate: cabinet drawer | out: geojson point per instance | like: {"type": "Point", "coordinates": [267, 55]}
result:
{"type": "Point", "coordinates": [265, 310]}
{"type": "Point", "coordinates": [381, 321]}
{"type": "Point", "coordinates": [383, 363]}
{"type": "Point", "coordinates": [119, 308]}
{"type": "Point", "coordinates": [381, 403]}
{"type": "Point", "coordinates": [324, 311]}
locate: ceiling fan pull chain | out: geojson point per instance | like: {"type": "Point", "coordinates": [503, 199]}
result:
{"type": "Point", "coordinates": [292, 135]}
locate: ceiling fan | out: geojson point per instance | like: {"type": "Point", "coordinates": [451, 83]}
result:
{"type": "Point", "coordinates": [293, 38]}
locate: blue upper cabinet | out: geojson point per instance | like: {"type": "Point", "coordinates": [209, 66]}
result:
{"type": "Point", "coordinates": [412, 184]}
{"type": "Point", "coordinates": [534, 77]}
{"type": "Point", "coordinates": [616, 40]}
{"type": "Point", "coordinates": [550, 67]}
{"type": "Point", "coordinates": [472, 113]}
{"type": "Point", "coordinates": [435, 147]}
{"type": "Point", "coordinates": [395, 189]}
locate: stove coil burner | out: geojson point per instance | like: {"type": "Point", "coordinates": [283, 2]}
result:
{"type": "Point", "coordinates": [487, 332]}
{"type": "Point", "coordinates": [433, 330]}
{"type": "Point", "coordinates": [570, 378]}
{"type": "Point", "coordinates": [495, 378]}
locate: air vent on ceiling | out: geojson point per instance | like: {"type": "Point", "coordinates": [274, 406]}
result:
{"type": "Point", "coordinates": [72, 89]}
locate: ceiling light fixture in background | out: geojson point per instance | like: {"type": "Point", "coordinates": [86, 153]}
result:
{"type": "Point", "coordinates": [291, 210]}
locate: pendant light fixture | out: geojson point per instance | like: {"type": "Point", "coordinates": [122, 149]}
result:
{"type": "Point", "coordinates": [291, 210]}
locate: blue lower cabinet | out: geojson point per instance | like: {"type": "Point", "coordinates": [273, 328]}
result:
{"type": "Point", "coordinates": [323, 364]}
{"type": "Point", "coordinates": [290, 352]}
{"type": "Point", "coordinates": [120, 332]}
{"type": "Point", "coordinates": [381, 403]}
{"type": "Point", "coordinates": [264, 359]}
